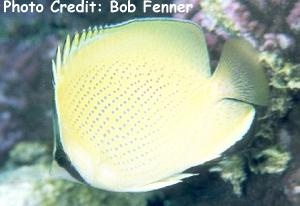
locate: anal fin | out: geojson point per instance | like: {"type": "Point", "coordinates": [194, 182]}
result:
{"type": "Point", "coordinates": [227, 123]}
{"type": "Point", "coordinates": [162, 183]}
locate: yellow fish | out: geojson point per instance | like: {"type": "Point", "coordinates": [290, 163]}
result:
{"type": "Point", "coordinates": [137, 105]}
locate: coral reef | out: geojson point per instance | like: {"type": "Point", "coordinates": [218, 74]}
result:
{"type": "Point", "coordinates": [292, 186]}
{"type": "Point", "coordinates": [261, 22]}
{"type": "Point", "coordinates": [232, 170]}
{"type": "Point", "coordinates": [273, 28]}
{"type": "Point", "coordinates": [25, 96]}
{"type": "Point", "coordinates": [271, 161]}
{"type": "Point", "coordinates": [293, 19]}
{"type": "Point", "coordinates": [26, 153]}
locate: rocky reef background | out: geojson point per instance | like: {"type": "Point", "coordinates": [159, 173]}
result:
{"type": "Point", "coordinates": [263, 170]}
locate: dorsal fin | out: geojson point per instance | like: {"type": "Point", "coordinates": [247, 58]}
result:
{"type": "Point", "coordinates": [71, 46]}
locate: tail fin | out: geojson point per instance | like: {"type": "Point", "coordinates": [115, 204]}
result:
{"type": "Point", "coordinates": [239, 74]}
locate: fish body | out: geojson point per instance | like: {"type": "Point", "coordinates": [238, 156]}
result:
{"type": "Point", "coordinates": [136, 103]}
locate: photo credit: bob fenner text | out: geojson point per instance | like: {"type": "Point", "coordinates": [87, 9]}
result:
{"type": "Point", "coordinates": [87, 6]}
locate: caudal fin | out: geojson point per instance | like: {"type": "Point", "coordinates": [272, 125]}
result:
{"type": "Point", "coordinates": [239, 74]}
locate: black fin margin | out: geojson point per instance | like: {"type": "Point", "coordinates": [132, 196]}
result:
{"type": "Point", "coordinates": [59, 154]}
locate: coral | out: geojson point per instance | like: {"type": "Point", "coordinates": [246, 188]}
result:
{"type": "Point", "coordinates": [22, 68]}
{"type": "Point", "coordinates": [257, 21]}
{"type": "Point", "coordinates": [293, 18]}
{"type": "Point", "coordinates": [8, 137]}
{"type": "Point", "coordinates": [272, 26]}
{"type": "Point", "coordinates": [284, 79]}
{"type": "Point", "coordinates": [195, 4]}
{"type": "Point", "coordinates": [273, 41]}
{"type": "Point", "coordinates": [25, 153]}
{"type": "Point", "coordinates": [271, 161]}
{"type": "Point", "coordinates": [292, 186]}
{"type": "Point", "coordinates": [233, 16]}
{"type": "Point", "coordinates": [232, 170]}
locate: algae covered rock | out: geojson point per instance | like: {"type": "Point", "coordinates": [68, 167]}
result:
{"type": "Point", "coordinates": [29, 152]}
{"type": "Point", "coordinates": [232, 170]}
{"type": "Point", "coordinates": [273, 160]}
{"type": "Point", "coordinates": [34, 186]}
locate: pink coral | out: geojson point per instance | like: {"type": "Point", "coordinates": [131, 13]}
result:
{"type": "Point", "coordinates": [293, 18]}
{"type": "Point", "coordinates": [241, 16]}
{"type": "Point", "coordinates": [261, 22]}
{"type": "Point", "coordinates": [195, 4]}
{"type": "Point", "coordinates": [274, 41]}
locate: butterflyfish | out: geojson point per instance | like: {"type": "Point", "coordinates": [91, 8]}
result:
{"type": "Point", "coordinates": [137, 104]}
